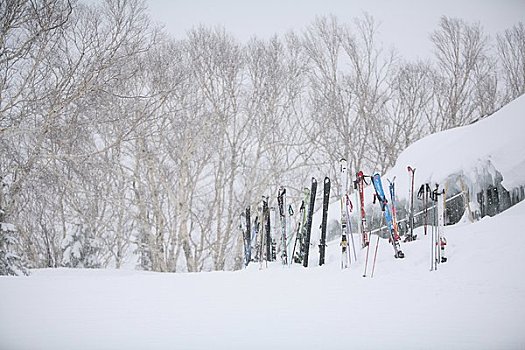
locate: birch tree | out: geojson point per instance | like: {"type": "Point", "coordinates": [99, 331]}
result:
{"type": "Point", "coordinates": [511, 52]}
{"type": "Point", "coordinates": [460, 50]}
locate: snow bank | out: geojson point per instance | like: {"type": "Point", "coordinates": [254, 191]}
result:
{"type": "Point", "coordinates": [478, 151]}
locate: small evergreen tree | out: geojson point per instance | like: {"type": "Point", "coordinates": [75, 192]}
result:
{"type": "Point", "coordinates": [10, 263]}
{"type": "Point", "coordinates": [80, 249]}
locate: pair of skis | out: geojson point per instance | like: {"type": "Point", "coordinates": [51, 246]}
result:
{"type": "Point", "coordinates": [304, 228]}
{"type": "Point", "coordinates": [346, 208]}
{"type": "Point", "coordinates": [264, 244]}
{"type": "Point", "coordinates": [281, 203]}
{"type": "Point", "coordinates": [438, 241]}
{"type": "Point", "coordinates": [390, 223]}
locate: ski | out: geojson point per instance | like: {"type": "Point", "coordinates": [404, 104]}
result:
{"type": "Point", "coordinates": [309, 222]}
{"type": "Point", "coordinates": [438, 241]}
{"type": "Point", "coordinates": [247, 238]}
{"type": "Point", "coordinates": [349, 208]}
{"type": "Point", "coordinates": [344, 240]}
{"type": "Point", "coordinates": [359, 185]}
{"type": "Point", "coordinates": [267, 252]}
{"type": "Point", "coordinates": [392, 190]}
{"type": "Point", "coordinates": [410, 235]}
{"type": "Point", "coordinates": [326, 199]}
{"type": "Point", "coordinates": [380, 194]}
{"type": "Point", "coordinates": [256, 239]}
{"type": "Point", "coordinates": [424, 194]}
{"type": "Point", "coordinates": [281, 201]}
{"type": "Point", "coordinates": [300, 232]}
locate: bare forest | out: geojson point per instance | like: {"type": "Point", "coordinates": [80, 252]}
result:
{"type": "Point", "coordinates": [120, 144]}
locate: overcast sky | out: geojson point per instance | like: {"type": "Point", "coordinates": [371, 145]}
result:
{"type": "Point", "coordinates": [405, 24]}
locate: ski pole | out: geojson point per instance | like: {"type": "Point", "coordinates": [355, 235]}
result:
{"type": "Point", "coordinates": [375, 257]}
{"type": "Point", "coordinates": [432, 252]}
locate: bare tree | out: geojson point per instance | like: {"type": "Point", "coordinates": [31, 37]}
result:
{"type": "Point", "coordinates": [57, 58]}
{"type": "Point", "coordinates": [511, 50]}
{"type": "Point", "coordinates": [460, 51]}
{"type": "Point", "coordinates": [411, 89]}
{"type": "Point", "coordinates": [348, 81]}
{"type": "Point", "coordinates": [217, 68]}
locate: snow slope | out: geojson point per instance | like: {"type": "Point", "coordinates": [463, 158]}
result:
{"type": "Point", "coordinates": [474, 301]}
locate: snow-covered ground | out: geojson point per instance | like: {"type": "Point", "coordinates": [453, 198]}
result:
{"type": "Point", "coordinates": [474, 301]}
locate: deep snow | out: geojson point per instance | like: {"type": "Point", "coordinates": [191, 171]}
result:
{"type": "Point", "coordinates": [493, 143]}
{"type": "Point", "coordinates": [474, 301]}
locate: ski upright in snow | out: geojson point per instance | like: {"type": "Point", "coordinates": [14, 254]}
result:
{"type": "Point", "coordinates": [308, 230]}
{"type": "Point", "coordinates": [345, 256]}
{"type": "Point", "coordinates": [359, 185]}
{"type": "Point", "coordinates": [348, 210]}
{"type": "Point", "coordinates": [326, 199]}
{"type": "Point", "coordinates": [393, 235]}
{"type": "Point", "coordinates": [281, 202]}
{"type": "Point", "coordinates": [424, 195]}
{"type": "Point", "coordinates": [298, 255]}
{"type": "Point", "coordinates": [247, 232]}
{"type": "Point", "coordinates": [438, 242]}
{"type": "Point", "coordinates": [392, 190]}
{"type": "Point", "coordinates": [410, 235]}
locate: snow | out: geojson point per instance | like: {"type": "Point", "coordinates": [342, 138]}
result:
{"type": "Point", "coordinates": [495, 143]}
{"type": "Point", "coordinates": [6, 227]}
{"type": "Point", "coordinates": [474, 301]}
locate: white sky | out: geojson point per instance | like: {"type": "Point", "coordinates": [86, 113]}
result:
{"type": "Point", "coordinates": [405, 24]}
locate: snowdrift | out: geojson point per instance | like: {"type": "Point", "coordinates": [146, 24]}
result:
{"type": "Point", "coordinates": [474, 301]}
{"type": "Point", "coordinates": [478, 152]}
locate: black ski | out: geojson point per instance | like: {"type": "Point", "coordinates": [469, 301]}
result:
{"type": "Point", "coordinates": [326, 199]}
{"type": "Point", "coordinates": [247, 238]}
{"type": "Point", "coordinates": [309, 222]}
{"type": "Point", "coordinates": [266, 223]}
{"type": "Point", "coordinates": [281, 200]}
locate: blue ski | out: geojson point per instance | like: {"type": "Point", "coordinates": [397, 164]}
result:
{"type": "Point", "coordinates": [394, 237]}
